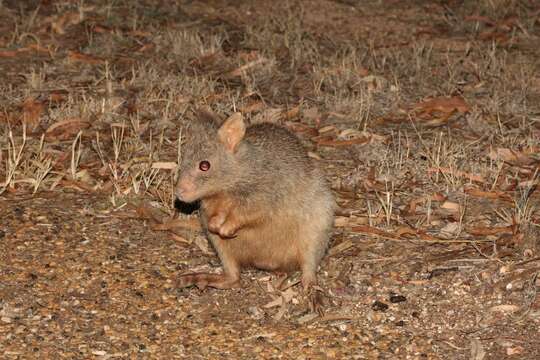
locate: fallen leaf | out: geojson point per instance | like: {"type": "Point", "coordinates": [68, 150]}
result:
{"type": "Point", "coordinates": [438, 121]}
{"type": "Point", "coordinates": [516, 350]}
{"type": "Point", "coordinates": [301, 128]}
{"type": "Point", "coordinates": [146, 47]}
{"type": "Point", "coordinates": [66, 20]}
{"type": "Point", "coordinates": [327, 129]}
{"type": "Point", "coordinates": [292, 113]}
{"type": "Point", "coordinates": [528, 184]}
{"type": "Point", "coordinates": [504, 308]}
{"type": "Point", "coordinates": [84, 177]}
{"type": "Point", "coordinates": [313, 155]}
{"type": "Point", "coordinates": [276, 302]}
{"type": "Point", "coordinates": [102, 29]}
{"type": "Point", "coordinates": [347, 137]}
{"type": "Point", "coordinates": [451, 206]}
{"type": "Point", "coordinates": [442, 104]}
{"type": "Point", "coordinates": [252, 107]}
{"type": "Point", "coordinates": [418, 282]}
{"type": "Point", "coordinates": [8, 53]}
{"type": "Point", "coordinates": [451, 229]}
{"type": "Point", "coordinates": [341, 221]}
{"type": "Point", "coordinates": [242, 69]}
{"type": "Point", "coordinates": [65, 129]}
{"type": "Point", "coordinates": [493, 230]}
{"type": "Point", "coordinates": [487, 194]}
{"type": "Point", "coordinates": [477, 350]}
{"type": "Point", "coordinates": [374, 82]}
{"type": "Point", "coordinates": [404, 231]}
{"type": "Point", "coordinates": [341, 247]}
{"type": "Point", "coordinates": [180, 239]}
{"type": "Point", "coordinates": [140, 33]}
{"type": "Point", "coordinates": [479, 18]}
{"type": "Point", "coordinates": [180, 223]}
{"type": "Point", "coordinates": [165, 165]}
{"type": "Point", "coordinates": [32, 110]}
{"type": "Point", "coordinates": [348, 134]}
{"type": "Point", "coordinates": [498, 36]}
{"type": "Point", "coordinates": [76, 56]}
{"type": "Point", "coordinates": [56, 97]}
{"type": "Point", "coordinates": [423, 199]}
{"type": "Point", "coordinates": [307, 317]}
{"type": "Point", "coordinates": [458, 173]}
{"type": "Point", "coordinates": [281, 312]}
{"type": "Point", "coordinates": [35, 47]}
{"type": "Point", "coordinates": [285, 297]}
{"type": "Point", "coordinates": [202, 244]}
{"type": "Point", "coordinates": [513, 156]}
{"type": "Point", "coordinates": [338, 143]}
{"type": "Point", "coordinates": [372, 230]}
{"type": "Point", "coordinates": [311, 113]}
{"type": "Point", "coordinates": [77, 185]}
{"type": "Point", "coordinates": [206, 61]}
{"type": "Point", "coordinates": [145, 211]}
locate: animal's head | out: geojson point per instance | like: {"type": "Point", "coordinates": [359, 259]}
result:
{"type": "Point", "coordinates": [209, 157]}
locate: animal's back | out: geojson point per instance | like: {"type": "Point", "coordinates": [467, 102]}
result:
{"type": "Point", "coordinates": [278, 143]}
{"type": "Point", "coordinates": [296, 197]}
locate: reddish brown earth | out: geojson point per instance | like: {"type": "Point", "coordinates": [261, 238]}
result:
{"type": "Point", "coordinates": [424, 114]}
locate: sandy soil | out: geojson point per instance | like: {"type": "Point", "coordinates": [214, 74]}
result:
{"type": "Point", "coordinates": [424, 115]}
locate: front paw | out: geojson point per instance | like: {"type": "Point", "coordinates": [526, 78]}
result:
{"type": "Point", "coordinates": [228, 230]}
{"type": "Point", "coordinates": [215, 223]}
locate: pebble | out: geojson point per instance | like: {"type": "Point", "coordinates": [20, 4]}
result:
{"type": "Point", "coordinates": [379, 306]}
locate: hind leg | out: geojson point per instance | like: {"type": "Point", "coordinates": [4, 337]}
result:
{"type": "Point", "coordinates": [309, 276]}
{"type": "Point", "coordinates": [312, 249]}
{"type": "Point", "coordinates": [230, 278]}
{"type": "Point", "coordinates": [313, 292]}
{"type": "Point", "coordinates": [203, 280]}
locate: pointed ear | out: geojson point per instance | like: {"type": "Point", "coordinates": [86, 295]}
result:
{"type": "Point", "coordinates": [232, 131]}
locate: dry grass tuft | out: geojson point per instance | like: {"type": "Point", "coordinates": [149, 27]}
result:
{"type": "Point", "coordinates": [425, 118]}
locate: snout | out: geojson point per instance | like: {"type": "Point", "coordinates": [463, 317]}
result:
{"type": "Point", "coordinates": [186, 189]}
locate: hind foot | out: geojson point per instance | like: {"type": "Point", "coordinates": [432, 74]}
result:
{"type": "Point", "coordinates": [204, 280]}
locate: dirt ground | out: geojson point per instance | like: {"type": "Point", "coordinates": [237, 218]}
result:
{"type": "Point", "coordinates": [425, 116]}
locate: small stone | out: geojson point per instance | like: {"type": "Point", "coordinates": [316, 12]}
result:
{"type": "Point", "coordinates": [255, 312]}
{"type": "Point", "coordinates": [514, 350]}
{"type": "Point", "coordinates": [379, 306]}
{"type": "Point", "coordinates": [394, 298]}
{"type": "Point", "coordinates": [331, 353]}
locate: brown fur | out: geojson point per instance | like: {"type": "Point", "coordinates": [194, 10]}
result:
{"type": "Point", "coordinates": [264, 203]}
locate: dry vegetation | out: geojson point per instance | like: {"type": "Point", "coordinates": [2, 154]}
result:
{"type": "Point", "coordinates": [424, 114]}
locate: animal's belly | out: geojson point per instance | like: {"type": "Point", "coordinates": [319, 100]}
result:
{"type": "Point", "coordinates": [267, 248]}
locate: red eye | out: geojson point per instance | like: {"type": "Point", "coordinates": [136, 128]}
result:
{"type": "Point", "coordinates": [204, 165]}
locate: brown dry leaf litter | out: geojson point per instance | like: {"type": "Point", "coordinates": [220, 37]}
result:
{"type": "Point", "coordinates": [425, 117]}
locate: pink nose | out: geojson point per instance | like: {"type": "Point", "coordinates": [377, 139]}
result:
{"type": "Point", "coordinates": [181, 190]}
{"type": "Point", "coordinates": [184, 188]}
{"type": "Point", "coordinates": [179, 193]}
